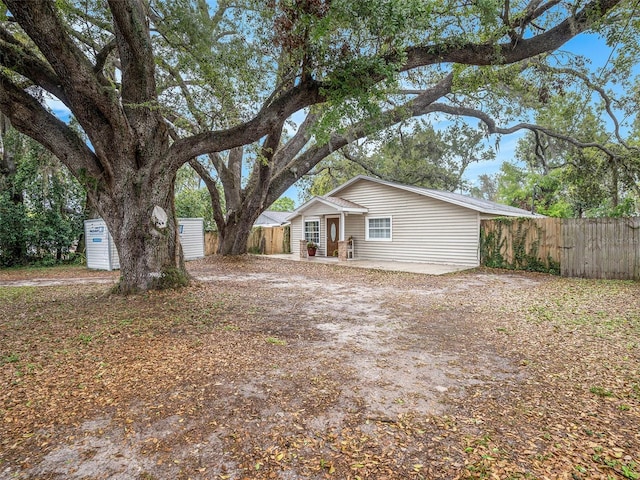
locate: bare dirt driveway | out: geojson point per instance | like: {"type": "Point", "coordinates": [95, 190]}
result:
{"type": "Point", "coordinates": [286, 370]}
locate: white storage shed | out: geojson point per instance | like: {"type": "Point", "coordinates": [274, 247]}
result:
{"type": "Point", "coordinates": [102, 253]}
{"type": "Point", "coordinates": [191, 237]}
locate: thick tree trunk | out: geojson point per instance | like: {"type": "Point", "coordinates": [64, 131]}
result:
{"type": "Point", "coordinates": [141, 218]}
{"type": "Point", "coordinates": [233, 238]}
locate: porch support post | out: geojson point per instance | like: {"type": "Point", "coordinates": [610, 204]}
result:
{"type": "Point", "coordinates": [303, 241]}
{"type": "Point", "coordinates": [343, 246]}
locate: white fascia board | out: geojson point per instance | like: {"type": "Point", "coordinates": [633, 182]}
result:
{"type": "Point", "coordinates": [337, 208]}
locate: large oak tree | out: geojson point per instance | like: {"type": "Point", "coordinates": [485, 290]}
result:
{"type": "Point", "coordinates": [157, 84]}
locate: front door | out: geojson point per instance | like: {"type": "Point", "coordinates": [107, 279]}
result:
{"type": "Point", "coordinates": [333, 232]}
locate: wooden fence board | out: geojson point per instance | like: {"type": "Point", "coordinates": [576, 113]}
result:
{"type": "Point", "coordinates": [601, 248]}
{"type": "Point", "coordinates": [522, 243]}
{"type": "Point", "coordinates": [584, 247]}
{"type": "Point", "coordinates": [265, 240]}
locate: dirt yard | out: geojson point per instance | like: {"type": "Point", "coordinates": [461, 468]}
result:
{"type": "Point", "coordinates": [273, 369]}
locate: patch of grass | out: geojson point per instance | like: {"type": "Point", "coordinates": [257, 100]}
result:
{"type": "Point", "coordinates": [85, 338]}
{"type": "Point", "coordinates": [601, 392]}
{"type": "Point", "coordinates": [541, 313]}
{"type": "Point", "coordinates": [11, 358]}
{"type": "Point", "coordinates": [630, 471]}
{"type": "Point", "coordinates": [11, 294]}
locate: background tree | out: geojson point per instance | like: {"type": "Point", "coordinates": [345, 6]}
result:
{"type": "Point", "coordinates": [13, 246]}
{"type": "Point", "coordinates": [486, 187]}
{"type": "Point", "coordinates": [192, 199]}
{"type": "Point", "coordinates": [224, 81]}
{"type": "Point", "coordinates": [411, 154]}
{"type": "Point", "coordinates": [283, 204]}
{"type": "Point", "coordinates": [565, 181]}
{"type": "Point", "coordinates": [42, 205]}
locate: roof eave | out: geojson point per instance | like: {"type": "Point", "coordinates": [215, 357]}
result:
{"type": "Point", "coordinates": [355, 210]}
{"type": "Point", "coordinates": [338, 208]}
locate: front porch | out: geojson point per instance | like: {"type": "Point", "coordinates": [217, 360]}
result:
{"type": "Point", "coordinates": [346, 250]}
{"type": "Point", "coordinates": [330, 223]}
{"type": "Point", "coordinates": [392, 266]}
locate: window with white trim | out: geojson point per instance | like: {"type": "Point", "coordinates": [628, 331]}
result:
{"type": "Point", "coordinates": [312, 231]}
{"type": "Point", "coordinates": [378, 228]}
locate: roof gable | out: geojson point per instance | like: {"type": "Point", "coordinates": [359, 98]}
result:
{"type": "Point", "coordinates": [336, 203]}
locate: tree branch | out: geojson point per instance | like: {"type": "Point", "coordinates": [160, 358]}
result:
{"type": "Point", "coordinates": [15, 56]}
{"type": "Point", "coordinates": [80, 86]}
{"type": "Point", "coordinates": [295, 144]}
{"type": "Point", "coordinates": [212, 188]}
{"type": "Point", "coordinates": [297, 98]}
{"type": "Point", "coordinates": [493, 129]}
{"type": "Point", "coordinates": [304, 162]}
{"type": "Point", "coordinates": [136, 54]}
{"type": "Point", "coordinates": [103, 55]}
{"type": "Point", "coordinates": [507, 53]}
{"type": "Point", "coordinates": [33, 119]}
{"type": "Point", "coordinates": [601, 92]}
{"type": "Point", "coordinates": [358, 161]}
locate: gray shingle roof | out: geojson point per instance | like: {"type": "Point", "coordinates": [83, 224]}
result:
{"type": "Point", "coordinates": [341, 202]}
{"type": "Point", "coordinates": [482, 206]}
{"type": "Point", "coordinates": [270, 217]}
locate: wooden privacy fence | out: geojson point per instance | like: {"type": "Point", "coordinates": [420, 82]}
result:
{"type": "Point", "coordinates": [269, 240]}
{"type": "Point", "coordinates": [580, 247]}
{"type": "Point", "coordinates": [601, 248]}
{"type": "Point", "coordinates": [265, 240]}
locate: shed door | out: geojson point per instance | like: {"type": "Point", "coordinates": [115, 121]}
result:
{"type": "Point", "coordinates": [333, 235]}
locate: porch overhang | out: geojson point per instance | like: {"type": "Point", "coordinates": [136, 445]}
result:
{"type": "Point", "coordinates": [329, 206]}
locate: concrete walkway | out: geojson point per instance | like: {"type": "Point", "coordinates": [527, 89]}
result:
{"type": "Point", "coordinates": [411, 267]}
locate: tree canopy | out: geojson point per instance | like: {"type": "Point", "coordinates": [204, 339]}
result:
{"type": "Point", "coordinates": [558, 179]}
{"type": "Point", "coordinates": [255, 94]}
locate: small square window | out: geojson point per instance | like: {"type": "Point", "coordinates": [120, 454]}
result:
{"type": "Point", "coordinates": [378, 228]}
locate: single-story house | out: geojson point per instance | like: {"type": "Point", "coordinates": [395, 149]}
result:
{"type": "Point", "coordinates": [270, 218]}
{"type": "Point", "coordinates": [372, 219]}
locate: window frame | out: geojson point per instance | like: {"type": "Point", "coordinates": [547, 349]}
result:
{"type": "Point", "coordinates": [378, 239]}
{"type": "Point", "coordinates": [304, 230]}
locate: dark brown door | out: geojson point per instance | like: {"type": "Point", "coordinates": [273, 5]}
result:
{"type": "Point", "coordinates": [333, 235]}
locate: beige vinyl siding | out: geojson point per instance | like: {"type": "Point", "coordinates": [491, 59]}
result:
{"type": "Point", "coordinates": [354, 227]}
{"type": "Point", "coordinates": [296, 235]}
{"type": "Point", "coordinates": [322, 247]}
{"type": "Point", "coordinates": [318, 210]}
{"type": "Point", "coordinates": [423, 229]}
